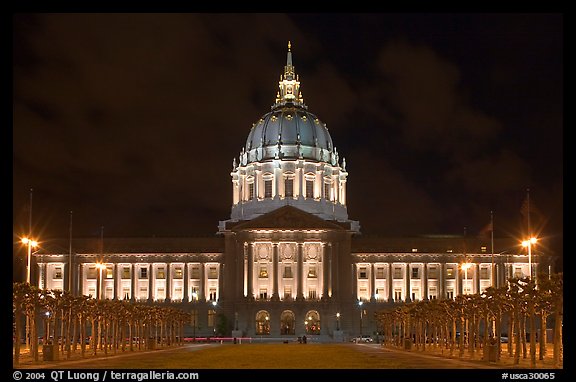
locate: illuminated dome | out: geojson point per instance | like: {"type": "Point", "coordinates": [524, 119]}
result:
{"type": "Point", "coordinates": [289, 160]}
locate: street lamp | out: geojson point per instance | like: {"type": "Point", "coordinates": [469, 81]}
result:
{"type": "Point", "coordinates": [361, 315]}
{"type": "Point", "coordinates": [214, 303]}
{"type": "Point", "coordinates": [528, 243]}
{"type": "Point", "coordinates": [338, 321]}
{"type": "Point", "coordinates": [465, 267]}
{"type": "Point", "coordinates": [29, 243]}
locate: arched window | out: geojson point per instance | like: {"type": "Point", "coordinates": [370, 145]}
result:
{"type": "Point", "coordinates": [287, 323]}
{"type": "Point", "coordinates": [289, 185]}
{"type": "Point", "coordinates": [262, 323]}
{"type": "Point", "coordinates": [327, 191]}
{"type": "Point", "coordinates": [250, 186]}
{"type": "Point", "coordinates": [312, 322]}
{"type": "Point", "coordinates": [268, 185]}
{"type": "Point", "coordinates": [309, 192]}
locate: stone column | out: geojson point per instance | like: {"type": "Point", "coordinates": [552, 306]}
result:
{"type": "Point", "coordinates": [372, 283]}
{"type": "Point", "coordinates": [202, 283]}
{"type": "Point", "coordinates": [300, 271]}
{"type": "Point", "coordinates": [441, 281]}
{"type": "Point", "coordinates": [325, 272]}
{"type": "Point", "coordinates": [459, 289]}
{"type": "Point", "coordinates": [354, 275]}
{"type": "Point", "coordinates": [80, 280]}
{"type": "Point", "coordinates": [476, 276]}
{"type": "Point", "coordinates": [275, 296]}
{"type": "Point", "coordinates": [133, 277]}
{"type": "Point", "coordinates": [115, 280]}
{"type": "Point", "coordinates": [390, 284]}
{"type": "Point", "coordinates": [330, 270]}
{"type": "Point", "coordinates": [408, 289]}
{"type": "Point", "coordinates": [250, 271]}
{"type": "Point", "coordinates": [151, 292]}
{"type": "Point", "coordinates": [425, 281]}
{"type": "Point", "coordinates": [168, 283]}
{"type": "Point", "coordinates": [185, 283]}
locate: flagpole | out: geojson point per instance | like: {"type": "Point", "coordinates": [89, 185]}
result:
{"type": "Point", "coordinates": [492, 247]}
{"type": "Point", "coordinates": [70, 258]}
{"type": "Point", "coordinates": [529, 232]}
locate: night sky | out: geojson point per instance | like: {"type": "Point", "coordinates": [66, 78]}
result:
{"type": "Point", "coordinates": [132, 120]}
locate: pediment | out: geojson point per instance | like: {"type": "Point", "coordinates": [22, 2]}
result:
{"type": "Point", "coordinates": [289, 217]}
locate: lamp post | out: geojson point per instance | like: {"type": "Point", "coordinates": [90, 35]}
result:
{"type": "Point", "coordinates": [29, 243]}
{"type": "Point", "coordinates": [361, 316]}
{"type": "Point", "coordinates": [528, 243]}
{"type": "Point", "coordinates": [214, 303]}
{"type": "Point", "coordinates": [465, 267]}
{"type": "Point", "coordinates": [338, 321]}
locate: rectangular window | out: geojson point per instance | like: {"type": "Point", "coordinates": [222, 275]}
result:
{"type": "Point", "coordinates": [397, 272]}
{"type": "Point", "coordinates": [194, 293]}
{"type": "Point", "coordinates": [432, 293]}
{"type": "Point", "coordinates": [288, 272]}
{"type": "Point", "coordinates": [484, 273]}
{"type": "Point", "coordinates": [250, 191]}
{"type": "Point", "coordinates": [415, 294]}
{"type": "Point", "coordinates": [108, 293]}
{"type": "Point", "coordinates": [362, 273]}
{"type": "Point", "coordinates": [379, 294]}
{"type": "Point", "coordinates": [263, 273]}
{"type": "Point", "coordinates": [109, 272]}
{"type": "Point", "coordinates": [450, 294]}
{"type": "Point", "coordinates": [177, 273]}
{"type": "Point", "coordinates": [143, 293]}
{"type": "Point", "coordinates": [126, 293]}
{"type": "Point", "coordinates": [327, 191]}
{"type": "Point", "coordinates": [213, 296]}
{"type": "Point", "coordinates": [309, 189]}
{"type": "Point", "coordinates": [263, 294]}
{"type": "Point", "coordinates": [213, 273]}
{"type": "Point", "coordinates": [289, 187]}
{"type": "Point", "coordinates": [91, 274]}
{"type": "Point", "coordinates": [432, 272]}
{"type": "Point", "coordinates": [143, 273]}
{"type": "Point", "coordinates": [415, 273]}
{"type": "Point", "coordinates": [518, 272]}
{"type": "Point", "coordinates": [160, 273]}
{"type": "Point", "coordinates": [177, 295]}
{"type": "Point", "coordinates": [268, 188]}
{"type": "Point", "coordinates": [125, 273]}
{"type": "Point", "coordinates": [195, 273]}
{"type": "Point", "coordinates": [397, 294]}
{"type": "Point", "coordinates": [312, 293]}
{"type": "Point", "coordinates": [194, 318]}
{"type": "Point", "coordinates": [450, 273]}
{"type": "Point", "coordinates": [160, 294]}
{"type": "Point", "coordinates": [58, 273]}
{"type": "Point", "coordinates": [312, 272]}
{"type": "Point", "coordinates": [211, 318]}
{"type": "Point", "coordinates": [287, 292]}
{"type": "Point", "coordinates": [92, 292]}
{"type": "Point", "coordinates": [380, 274]}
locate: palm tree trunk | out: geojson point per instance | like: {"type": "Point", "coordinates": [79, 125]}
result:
{"type": "Point", "coordinates": [517, 334]}
{"type": "Point", "coordinates": [543, 335]}
{"type": "Point", "coordinates": [17, 333]}
{"type": "Point", "coordinates": [511, 337]}
{"type": "Point", "coordinates": [523, 336]}
{"type": "Point", "coordinates": [558, 334]}
{"type": "Point", "coordinates": [532, 335]}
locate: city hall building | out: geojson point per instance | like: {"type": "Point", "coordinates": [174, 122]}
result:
{"type": "Point", "coordinates": [289, 261]}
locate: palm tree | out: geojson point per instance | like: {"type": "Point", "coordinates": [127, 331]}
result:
{"type": "Point", "coordinates": [557, 289]}
{"type": "Point", "coordinates": [20, 291]}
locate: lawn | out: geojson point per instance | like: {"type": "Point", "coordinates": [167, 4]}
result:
{"type": "Point", "coordinates": [252, 356]}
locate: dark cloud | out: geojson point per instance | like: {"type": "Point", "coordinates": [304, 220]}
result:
{"type": "Point", "coordinates": [132, 120]}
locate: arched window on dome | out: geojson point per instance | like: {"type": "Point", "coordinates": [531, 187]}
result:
{"type": "Point", "coordinates": [289, 185]}
{"type": "Point", "coordinates": [268, 185]}
{"type": "Point", "coordinates": [309, 182]}
{"type": "Point", "coordinates": [249, 195]}
{"type": "Point", "coordinates": [327, 191]}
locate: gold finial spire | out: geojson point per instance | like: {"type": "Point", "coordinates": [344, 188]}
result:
{"type": "Point", "coordinates": [289, 45]}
